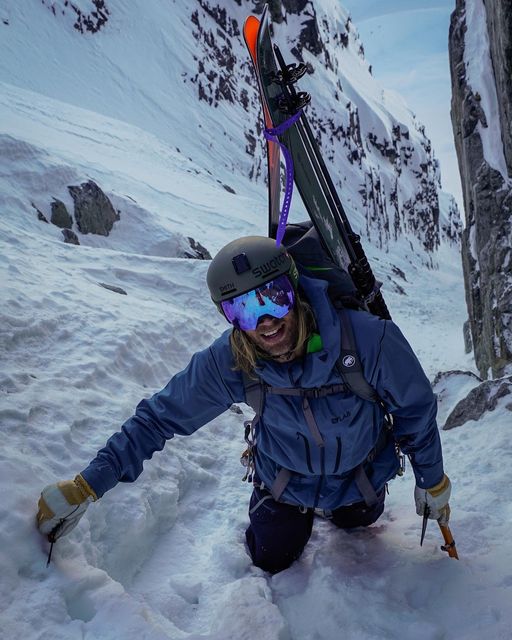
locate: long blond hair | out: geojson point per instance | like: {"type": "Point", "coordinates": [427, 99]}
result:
{"type": "Point", "coordinates": [246, 353]}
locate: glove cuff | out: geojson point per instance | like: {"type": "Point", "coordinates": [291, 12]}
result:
{"type": "Point", "coordinates": [440, 487]}
{"type": "Point", "coordinates": [85, 488]}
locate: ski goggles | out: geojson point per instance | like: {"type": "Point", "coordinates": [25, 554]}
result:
{"type": "Point", "coordinates": [274, 298]}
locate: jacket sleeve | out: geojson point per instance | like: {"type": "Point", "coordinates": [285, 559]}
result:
{"type": "Point", "coordinates": [406, 391]}
{"type": "Point", "coordinates": [192, 398]}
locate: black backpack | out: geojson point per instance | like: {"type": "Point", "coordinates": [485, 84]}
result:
{"type": "Point", "coordinates": [304, 245]}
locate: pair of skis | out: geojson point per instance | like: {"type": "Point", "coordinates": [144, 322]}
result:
{"type": "Point", "coordinates": [284, 117]}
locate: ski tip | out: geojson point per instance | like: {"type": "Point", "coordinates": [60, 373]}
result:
{"type": "Point", "coordinates": [251, 30]}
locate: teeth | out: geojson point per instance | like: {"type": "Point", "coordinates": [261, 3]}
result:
{"type": "Point", "coordinates": [270, 333]}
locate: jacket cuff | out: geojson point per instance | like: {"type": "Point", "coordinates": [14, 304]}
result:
{"type": "Point", "coordinates": [100, 479]}
{"type": "Point", "coordinates": [427, 477]}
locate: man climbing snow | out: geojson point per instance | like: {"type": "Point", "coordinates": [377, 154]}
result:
{"type": "Point", "coordinates": [325, 435]}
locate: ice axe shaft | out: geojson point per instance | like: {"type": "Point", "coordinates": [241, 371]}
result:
{"type": "Point", "coordinates": [449, 542]}
{"type": "Point", "coordinates": [426, 512]}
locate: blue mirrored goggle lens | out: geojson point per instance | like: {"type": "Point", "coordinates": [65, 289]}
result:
{"type": "Point", "coordinates": [275, 298]}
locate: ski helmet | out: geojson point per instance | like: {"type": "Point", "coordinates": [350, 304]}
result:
{"type": "Point", "coordinates": [247, 263]}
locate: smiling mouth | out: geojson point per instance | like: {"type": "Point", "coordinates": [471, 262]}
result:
{"type": "Point", "coordinates": [272, 334]}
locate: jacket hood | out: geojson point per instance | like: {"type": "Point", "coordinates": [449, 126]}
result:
{"type": "Point", "coordinates": [314, 369]}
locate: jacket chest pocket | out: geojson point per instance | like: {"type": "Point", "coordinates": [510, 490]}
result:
{"type": "Point", "coordinates": [337, 459]}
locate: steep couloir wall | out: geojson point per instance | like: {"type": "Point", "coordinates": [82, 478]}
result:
{"type": "Point", "coordinates": [480, 46]}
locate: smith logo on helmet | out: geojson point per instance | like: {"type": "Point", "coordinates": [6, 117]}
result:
{"type": "Point", "coordinates": [268, 268]}
{"type": "Point", "coordinates": [230, 286]}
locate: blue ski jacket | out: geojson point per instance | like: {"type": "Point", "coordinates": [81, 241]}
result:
{"type": "Point", "coordinates": [349, 425]}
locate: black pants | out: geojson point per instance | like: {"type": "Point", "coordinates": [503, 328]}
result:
{"type": "Point", "coordinates": [279, 532]}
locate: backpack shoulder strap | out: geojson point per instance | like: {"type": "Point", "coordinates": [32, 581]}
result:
{"type": "Point", "coordinates": [254, 392]}
{"type": "Point", "coordinates": [349, 363]}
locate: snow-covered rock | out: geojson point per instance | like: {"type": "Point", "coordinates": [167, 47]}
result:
{"type": "Point", "coordinates": [483, 398]}
{"type": "Point", "coordinates": [451, 387]}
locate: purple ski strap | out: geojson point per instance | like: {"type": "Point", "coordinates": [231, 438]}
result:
{"type": "Point", "coordinates": [271, 134]}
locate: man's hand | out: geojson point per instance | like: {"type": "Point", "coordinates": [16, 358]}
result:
{"type": "Point", "coordinates": [61, 506]}
{"type": "Point", "coordinates": [436, 500]}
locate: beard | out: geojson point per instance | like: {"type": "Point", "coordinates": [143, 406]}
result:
{"type": "Point", "coordinates": [277, 338]}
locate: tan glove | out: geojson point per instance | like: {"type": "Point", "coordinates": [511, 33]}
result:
{"type": "Point", "coordinates": [61, 506]}
{"type": "Point", "coordinates": [435, 499]}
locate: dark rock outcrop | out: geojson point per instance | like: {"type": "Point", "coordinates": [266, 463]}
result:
{"type": "Point", "coordinates": [451, 228]}
{"type": "Point", "coordinates": [481, 399]}
{"type": "Point", "coordinates": [487, 238]}
{"type": "Point", "coordinates": [94, 212]}
{"type": "Point", "coordinates": [40, 214]}
{"type": "Point", "coordinates": [468, 343]}
{"type": "Point", "coordinates": [60, 216]}
{"type": "Point", "coordinates": [197, 251]}
{"type": "Point", "coordinates": [70, 237]}
{"type": "Point", "coordinates": [83, 21]}
{"type": "Point", "coordinates": [114, 288]}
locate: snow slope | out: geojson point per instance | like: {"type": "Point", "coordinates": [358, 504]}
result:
{"type": "Point", "coordinates": [164, 558]}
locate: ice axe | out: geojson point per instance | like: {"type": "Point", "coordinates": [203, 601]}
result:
{"type": "Point", "coordinates": [449, 542]}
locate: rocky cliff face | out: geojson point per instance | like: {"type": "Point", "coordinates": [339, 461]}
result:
{"type": "Point", "coordinates": [380, 157]}
{"type": "Point", "coordinates": [481, 68]}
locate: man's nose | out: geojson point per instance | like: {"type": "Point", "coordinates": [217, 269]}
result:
{"type": "Point", "coordinates": [266, 321]}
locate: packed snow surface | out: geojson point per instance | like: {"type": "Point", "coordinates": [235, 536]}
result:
{"type": "Point", "coordinates": [164, 558]}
